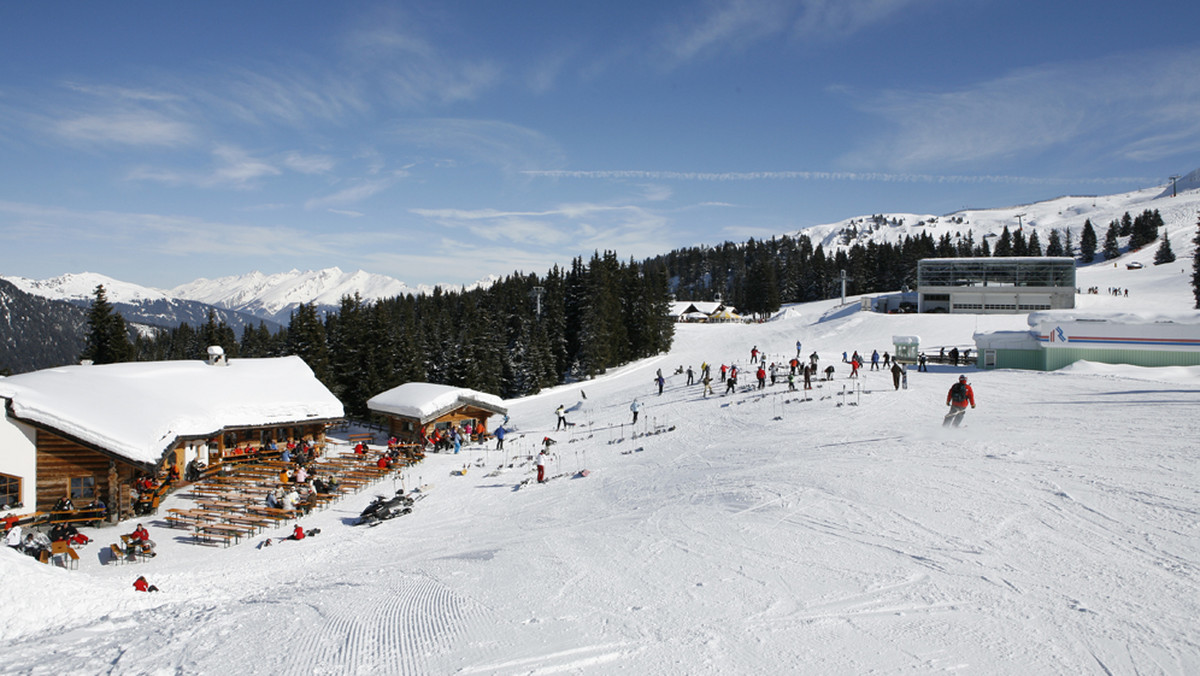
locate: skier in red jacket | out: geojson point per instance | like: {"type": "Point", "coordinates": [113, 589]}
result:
{"type": "Point", "coordinates": [957, 398]}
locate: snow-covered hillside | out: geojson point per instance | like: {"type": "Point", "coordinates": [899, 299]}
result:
{"type": "Point", "coordinates": [82, 287]}
{"type": "Point", "coordinates": [762, 532]}
{"type": "Point", "coordinates": [1180, 214]}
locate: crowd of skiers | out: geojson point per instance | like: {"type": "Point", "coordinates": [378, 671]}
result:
{"type": "Point", "coordinates": [808, 370]}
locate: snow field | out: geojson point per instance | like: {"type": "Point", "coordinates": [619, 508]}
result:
{"type": "Point", "coordinates": [1056, 532]}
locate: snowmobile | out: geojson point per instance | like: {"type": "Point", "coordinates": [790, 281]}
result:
{"type": "Point", "coordinates": [383, 508]}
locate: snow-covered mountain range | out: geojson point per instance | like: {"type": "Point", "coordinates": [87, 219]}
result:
{"type": "Point", "coordinates": [141, 306]}
{"type": "Point", "coordinates": [275, 296]}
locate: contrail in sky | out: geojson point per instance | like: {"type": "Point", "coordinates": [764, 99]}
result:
{"type": "Point", "coordinates": [824, 176]}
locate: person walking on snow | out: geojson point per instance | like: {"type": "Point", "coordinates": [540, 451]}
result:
{"type": "Point", "coordinates": [797, 349]}
{"type": "Point", "coordinates": [897, 371]}
{"type": "Point", "coordinates": [875, 360]}
{"type": "Point", "coordinates": [691, 375]}
{"type": "Point", "coordinates": [561, 412]}
{"type": "Point", "coordinates": [636, 406]}
{"type": "Point", "coordinates": [957, 398]}
{"type": "Point", "coordinates": [541, 465]}
{"type": "Point", "coordinates": [499, 434]}
{"type": "Point", "coordinates": [659, 381]}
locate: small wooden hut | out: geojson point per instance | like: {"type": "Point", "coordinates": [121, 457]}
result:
{"type": "Point", "coordinates": [414, 410]}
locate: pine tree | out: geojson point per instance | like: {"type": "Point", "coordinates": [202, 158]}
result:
{"type": "Point", "coordinates": [1004, 243]}
{"type": "Point", "coordinates": [306, 339]}
{"type": "Point", "coordinates": [1034, 246]}
{"type": "Point", "coordinates": [1019, 247]}
{"type": "Point", "coordinates": [1087, 243]}
{"type": "Point", "coordinates": [1164, 253]}
{"type": "Point", "coordinates": [1196, 266]}
{"type": "Point", "coordinates": [1054, 247]}
{"type": "Point", "coordinates": [108, 336]}
{"type": "Point", "coordinates": [1112, 247]}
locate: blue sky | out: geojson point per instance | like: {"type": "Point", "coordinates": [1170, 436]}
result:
{"type": "Point", "coordinates": [440, 142]}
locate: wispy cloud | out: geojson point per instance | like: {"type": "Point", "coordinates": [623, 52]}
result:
{"type": "Point", "coordinates": [352, 194]}
{"type": "Point", "coordinates": [308, 164]}
{"type": "Point", "coordinates": [392, 50]}
{"type": "Point", "coordinates": [1136, 106]}
{"type": "Point", "coordinates": [578, 227]}
{"type": "Point", "coordinates": [508, 146]}
{"type": "Point", "coordinates": [130, 234]}
{"type": "Point", "coordinates": [232, 167]}
{"type": "Point", "coordinates": [734, 25]}
{"type": "Point", "coordinates": [137, 128]}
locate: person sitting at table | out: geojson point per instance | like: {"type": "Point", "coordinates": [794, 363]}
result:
{"type": "Point", "coordinates": [301, 475]}
{"type": "Point", "coordinates": [290, 499]}
{"type": "Point", "coordinates": [286, 456]}
{"type": "Point", "coordinates": [64, 504]}
{"type": "Point", "coordinates": [139, 541]}
{"type": "Point", "coordinates": [284, 476]}
{"type": "Point", "coordinates": [272, 500]}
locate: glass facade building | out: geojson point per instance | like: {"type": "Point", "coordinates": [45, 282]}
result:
{"type": "Point", "coordinates": [1011, 285]}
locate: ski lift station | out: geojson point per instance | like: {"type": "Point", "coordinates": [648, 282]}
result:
{"type": "Point", "coordinates": [1058, 338]}
{"type": "Point", "coordinates": [1005, 285]}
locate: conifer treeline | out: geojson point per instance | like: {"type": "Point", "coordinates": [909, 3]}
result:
{"type": "Point", "coordinates": [759, 276]}
{"type": "Point", "coordinates": [595, 315]}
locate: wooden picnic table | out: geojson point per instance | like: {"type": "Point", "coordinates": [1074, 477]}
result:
{"type": "Point", "coordinates": [255, 523]}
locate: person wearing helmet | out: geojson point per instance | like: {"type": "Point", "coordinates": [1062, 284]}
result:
{"type": "Point", "coordinates": [957, 398]}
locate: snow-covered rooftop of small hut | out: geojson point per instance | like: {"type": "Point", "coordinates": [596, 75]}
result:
{"type": "Point", "coordinates": [138, 409]}
{"type": "Point", "coordinates": [426, 401]}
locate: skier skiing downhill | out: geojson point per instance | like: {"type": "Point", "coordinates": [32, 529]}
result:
{"type": "Point", "coordinates": [957, 398]}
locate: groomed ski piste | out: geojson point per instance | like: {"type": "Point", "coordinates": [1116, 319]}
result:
{"type": "Point", "coordinates": [1057, 531]}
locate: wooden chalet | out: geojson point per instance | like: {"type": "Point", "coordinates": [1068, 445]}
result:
{"type": "Point", "coordinates": [88, 432]}
{"type": "Point", "coordinates": [414, 410]}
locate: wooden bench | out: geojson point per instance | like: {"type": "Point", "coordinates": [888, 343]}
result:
{"type": "Point", "coordinates": [134, 552]}
{"type": "Point", "coordinates": [63, 548]}
{"type": "Point", "coordinates": [208, 534]}
{"type": "Point", "coordinates": [84, 516]}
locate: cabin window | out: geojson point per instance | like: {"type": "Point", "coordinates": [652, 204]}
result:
{"type": "Point", "coordinates": [83, 487]}
{"type": "Point", "coordinates": [10, 491]}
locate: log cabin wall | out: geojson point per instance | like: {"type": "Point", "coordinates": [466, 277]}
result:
{"type": "Point", "coordinates": [60, 460]}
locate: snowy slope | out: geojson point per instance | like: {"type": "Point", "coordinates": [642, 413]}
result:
{"type": "Point", "coordinates": [1056, 532]}
{"type": "Point", "coordinates": [1179, 214]}
{"type": "Point", "coordinates": [82, 286]}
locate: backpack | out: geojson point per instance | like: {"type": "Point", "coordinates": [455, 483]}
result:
{"type": "Point", "coordinates": [958, 393]}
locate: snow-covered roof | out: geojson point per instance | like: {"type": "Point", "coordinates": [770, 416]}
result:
{"type": "Point", "coordinates": [683, 307]}
{"type": "Point", "coordinates": [1127, 318]}
{"type": "Point", "coordinates": [1006, 340]}
{"type": "Point", "coordinates": [906, 340]}
{"type": "Point", "coordinates": [137, 410]}
{"type": "Point", "coordinates": [426, 401]}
